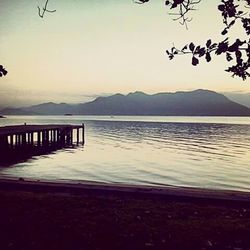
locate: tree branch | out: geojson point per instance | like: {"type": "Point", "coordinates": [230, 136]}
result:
{"type": "Point", "coordinates": [45, 9]}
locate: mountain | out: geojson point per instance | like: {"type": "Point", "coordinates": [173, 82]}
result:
{"type": "Point", "coordinates": [242, 98]}
{"type": "Point", "coordinates": [193, 103]}
{"type": "Point", "coordinates": [49, 108]}
{"type": "Point", "coordinates": [17, 111]}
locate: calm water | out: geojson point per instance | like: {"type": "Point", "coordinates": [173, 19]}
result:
{"type": "Point", "coordinates": [209, 152]}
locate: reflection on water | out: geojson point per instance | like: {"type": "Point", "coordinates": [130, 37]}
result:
{"type": "Point", "coordinates": [203, 152]}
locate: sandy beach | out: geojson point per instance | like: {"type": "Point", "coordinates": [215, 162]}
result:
{"type": "Point", "coordinates": [95, 216]}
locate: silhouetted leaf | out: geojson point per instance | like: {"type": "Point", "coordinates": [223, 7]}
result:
{"type": "Point", "coordinates": [235, 46]}
{"type": "Point", "coordinates": [246, 25]}
{"type": "Point", "coordinates": [201, 52]}
{"type": "Point", "coordinates": [238, 55]}
{"type": "Point", "coordinates": [195, 61]}
{"type": "Point", "coordinates": [239, 70]}
{"type": "Point", "coordinates": [214, 45]}
{"type": "Point", "coordinates": [224, 32]}
{"type": "Point", "coordinates": [222, 47]}
{"type": "Point", "coordinates": [209, 42]}
{"type": "Point", "coordinates": [3, 71]}
{"type": "Point", "coordinates": [229, 57]}
{"type": "Point", "coordinates": [184, 48]}
{"type": "Point", "coordinates": [221, 7]}
{"type": "Point", "coordinates": [191, 47]}
{"type": "Point", "coordinates": [208, 57]}
{"type": "Point", "coordinates": [176, 3]}
{"type": "Point", "coordinates": [143, 1]}
{"type": "Point", "coordinates": [231, 23]}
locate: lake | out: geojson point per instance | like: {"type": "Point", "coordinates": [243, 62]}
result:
{"type": "Point", "coordinates": [206, 152]}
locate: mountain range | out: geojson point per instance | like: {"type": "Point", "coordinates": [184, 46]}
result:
{"type": "Point", "coordinates": [191, 103]}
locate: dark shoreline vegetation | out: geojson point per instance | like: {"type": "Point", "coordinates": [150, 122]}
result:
{"type": "Point", "coordinates": [63, 218]}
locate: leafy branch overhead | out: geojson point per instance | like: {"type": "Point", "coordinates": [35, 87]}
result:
{"type": "Point", "coordinates": [41, 13]}
{"type": "Point", "coordinates": [237, 51]}
{"type": "Point", "coordinates": [234, 13]}
{"type": "Point", "coordinates": [3, 71]}
{"type": "Point", "coordinates": [184, 6]}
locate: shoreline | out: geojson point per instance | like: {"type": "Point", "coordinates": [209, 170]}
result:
{"type": "Point", "coordinates": [44, 215]}
{"type": "Point", "coordinates": [167, 192]}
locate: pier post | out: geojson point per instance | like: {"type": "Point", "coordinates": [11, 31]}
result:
{"type": "Point", "coordinates": [52, 136]}
{"type": "Point", "coordinates": [62, 137]}
{"type": "Point", "coordinates": [58, 136]}
{"type": "Point", "coordinates": [49, 137]}
{"type": "Point", "coordinates": [83, 132]}
{"type": "Point", "coordinates": [71, 136]}
{"type": "Point", "coordinates": [28, 138]}
{"type": "Point", "coordinates": [3, 142]}
{"type": "Point", "coordinates": [43, 138]}
{"type": "Point", "coordinates": [11, 141]}
{"type": "Point", "coordinates": [18, 136]}
{"type": "Point", "coordinates": [38, 138]}
{"type": "Point", "coordinates": [32, 138]}
{"type": "Point", "coordinates": [55, 136]}
{"type": "Point", "coordinates": [77, 136]}
{"type": "Point", "coordinates": [67, 137]}
{"type": "Point", "coordinates": [16, 139]}
{"type": "Point", "coordinates": [24, 139]}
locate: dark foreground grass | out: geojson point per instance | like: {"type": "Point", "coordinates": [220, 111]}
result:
{"type": "Point", "coordinates": [30, 220]}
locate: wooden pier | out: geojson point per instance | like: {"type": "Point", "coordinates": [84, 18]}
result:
{"type": "Point", "coordinates": [22, 140]}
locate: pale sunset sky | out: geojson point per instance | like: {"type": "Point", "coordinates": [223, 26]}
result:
{"type": "Point", "coordinates": [89, 48]}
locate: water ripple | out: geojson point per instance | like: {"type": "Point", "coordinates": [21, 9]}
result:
{"type": "Point", "coordinates": [192, 153]}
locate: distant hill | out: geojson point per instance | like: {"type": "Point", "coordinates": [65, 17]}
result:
{"type": "Point", "coordinates": [242, 98]}
{"type": "Point", "coordinates": [49, 108]}
{"type": "Point", "coordinates": [17, 111]}
{"type": "Point", "coordinates": [192, 103]}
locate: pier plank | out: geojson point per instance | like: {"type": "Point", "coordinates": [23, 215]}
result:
{"type": "Point", "coordinates": [18, 129]}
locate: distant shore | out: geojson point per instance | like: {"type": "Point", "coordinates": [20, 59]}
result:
{"type": "Point", "coordinates": [42, 215]}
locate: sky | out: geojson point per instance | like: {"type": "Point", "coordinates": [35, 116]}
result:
{"type": "Point", "coordinates": [89, 48]}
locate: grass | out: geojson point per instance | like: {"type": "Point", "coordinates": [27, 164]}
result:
{"type": "Point", "coordinates": [36, 220]}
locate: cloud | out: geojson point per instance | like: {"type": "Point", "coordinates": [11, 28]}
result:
{"type": "Point", "coordinates": [11, 97]}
